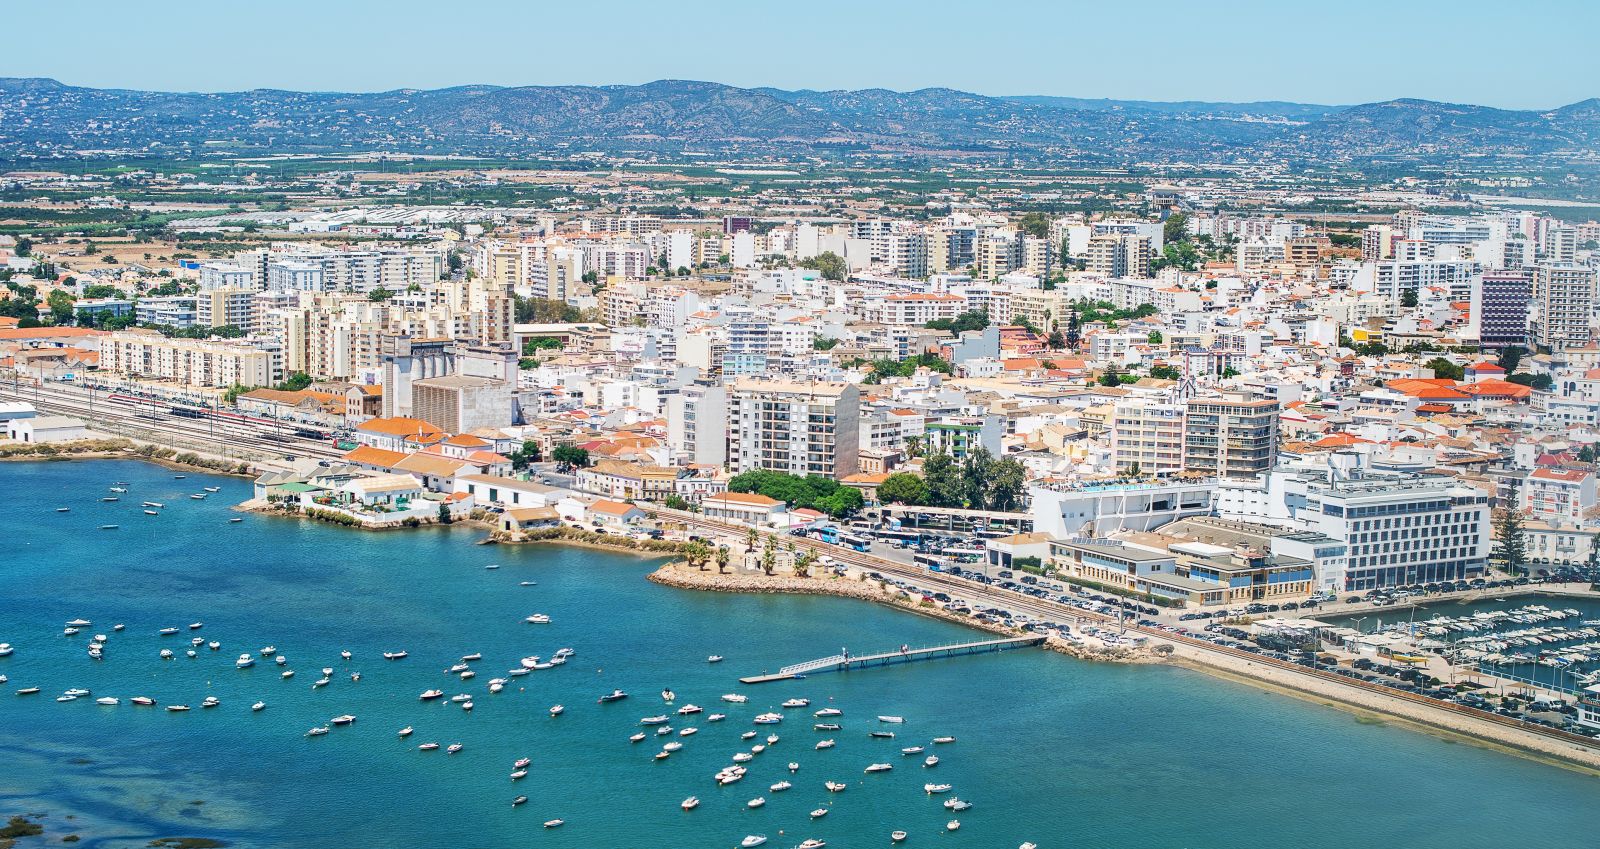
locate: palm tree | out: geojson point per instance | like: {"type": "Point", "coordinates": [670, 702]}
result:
{"type": "Point", "coordinates": [769, 555]}
{"type": "Point", "coordinates": [802, 564]}
{"type": "Point", "coordinates": [698, 554]}
{"type": "Point", "coordinates": [722, 559]}
{"type": "Point", "coordinates": [750, 538]}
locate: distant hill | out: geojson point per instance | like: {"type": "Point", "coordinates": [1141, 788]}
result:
{"type": "Point", "coordinates": [42, 116]}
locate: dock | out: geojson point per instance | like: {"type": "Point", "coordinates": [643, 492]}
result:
{"type": "Point", "coordinates": [841, 662]}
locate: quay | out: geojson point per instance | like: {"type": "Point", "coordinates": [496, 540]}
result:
{"type": "Point", "coordinates": [840, 662]}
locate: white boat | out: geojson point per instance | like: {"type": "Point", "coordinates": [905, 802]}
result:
{"type": "Point", "coordinates": [686, 710]}
{"type": "Point", "coordinates": [895, 720]}
{"type": "Point", "coordinates": [198, 496]}
{"type": "Point", "coordinates": [743, 757]}
{"type": "Point", "coordinates": [428, 695]}
{"type": "Point", "coordinates": [345, 655]}
{"type": "Point", "coordinates": [156, 504]}
{"type": "Point", "coordinates": [118, 627]}
{"type": "Point", "coordinates": [716, 658]}
{"type": "Point", "coordinates": [258, 706]}
{"type": "Point", "coordinates": [780, 787]}
{"type": "Point", "coordinates": [819, 813]}
{"type": "Point", "coordinates": [460, 667]}
{"type": "Point", "coordinates": [794, 767]}
{"type": "Point", "coordinates": [757, 749]}
{"type": "Point", "coordinates": [27, 691]}
{"type": "Point", "coordinates": [557, 710]}
{"type": "Point", "coordinates": [143, 701]}
{"type": "Point", "coordinates": [79, 692]}
{"type": "Point", "coordinates": [756, 802]}
{"type": "Point", "coordinates": [195, 626]}
{"type": "Point", "coordinates": [6, 649]}
{"type": "Point", "coordinates": [327, 671]}
{"type": "Point", "coordinates": [871, 768]}
{"type": "Point", "coordinates": [211, 702]}
{"type": "Point", "coordinates": [63, 509]}
{"type": "Point", "coordinates": [177, 708]}
{"type": "Point", "coordinates": [213, 489]}
{"type": "Point", "coordinates": [955, 804]}
{"type": "Point", "coordinates": [245, 661]}
{"type": "Point", "coordinates": [107, 701]}
{"type": "Point", "coordinates": [213, 645]}
{"type": "Point", "coordinates": [393, 655]}
{"type": "Point", "coordinates": [496, 685]}
{"type": "Point", "coordinates": [98, 638]}
{"type": "Point", "coordinates": [288, 673]}
{"type": "Point", "coordinates": [428, 747]}
{"type": "Point", "coordinates": [151, 513]}
{"type": "Point", "coordinates": [772, 739]}
{"type": "Point", "coordinates": [935, 788]}
{"type": "Point", "coordinates": [931, 760]}
{"type": "Point", "coordinates": [748, 735]}
{"type": "Point", "coordinates": [529, 662]}
{"type": "Point", "coordinates": [529, 584]}
{"type": "Point", "coordinates": [1029, 845]}
{"type": "Point", "coordinates": [458, 698]}
{"type": "Point", "coordinates": [768, 719]}
{"type": "Point", "coordinates": [813, 843]}
{"type": "Point", "coordinates": [453, 748]}
{"type": "Point", "coordinates": [318, 731]}
{"type": "Point", "coordinates": [944, 739]}
{"type": "Point", "coordinates": [828, 712]}
{"type": "Point", "coordinates": [465, 676]}
{"type": "Point", "coordinates": [668, 696]}
{"type": "Point", "coordinates": [911, 750]}
{"type": "Point", "coordinates": [952, 825]}
{"type": "Point", "coordinates": [518, 774]}
{"type": "Point", "coordinates": [466, 658]}
{"type": "Point", "coordinates": [355, 676]}
{"type": "Point", "coordinates": [653, 720]}
{"type": "Point", "coordinates": [826, 744]}
{"type": "Point", "coordinates": [69, 632]}
{"type": "Point", "coordinates": [637, 738]}
{"type": "Point", "coordinates": [835, 786]}
{"type": "Point", "coordinates": [716, 717]}
{"type": "Point", "coordinates": [797, 703]}
{"type": "Point", "coordinates": [752, 840]}
{"type": "Point", "coordinates": [672, 746]}
{"type": "Point", "coordinates": [280, 660]}
{"type": "Point", "coordinates": [736, 698]}
{"type": "Point", "coordinates": [554, 823]}
{"type": "Point", "coordinates": [538, 619]}
{"type": "Point", "coordinates": [522, 763]}
{"type": "Point", "coordinates": [896, 836]}
{"type": "Point", "coordinates": [166, 654]}
{"type": "Point", "coordinates": [690, 803]}
{"type": "Point", "coordinates": [167, 632]}
{"type": "Point", "coordinates": [406, 731]}
{"type": "Point", "coordinates": [346, 719]}
{"type": "Point", "coordinates": [518, 801]}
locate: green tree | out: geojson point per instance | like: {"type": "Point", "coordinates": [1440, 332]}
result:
{"type": "Point", "coordinates": [444, 514]}
{"type": "Point", "coordinates": [975, 473]}
{"type": "Point", "coordinates": [803, 562]}
{"type": "Point", "coordinates": [1006, 481]}
{"type": "Point", "coordinates": [1155, 337]}
{"type": "Point", "coordinates": [823, 343]}
{"type": "Point", "coordinates": [294, 382]}
{"type": "Point", "coordinates": [903, 488]}
{"type": "Point", "coordinates": [1408, 298]}
{"type": "Point", "coordinates": [23, 247]}
{"type": "Point", "coordinates": [831, 265]}
{"type": "Point", "coordinates": [571, 456]}
{"type": "Point", "coordinates": [942, 477]}
{"type": "Point", "coordinates": [1165, 372]}
{"type": "Point", "coordinates": [1035, 224]}
{"type": "Point", "coordinates": [697, 554]}
{"type": "Point", "coordinates": [1175, 229]}
{"type": "Point", "coordinates": [1444, 369]}
{"type": "Point", "coordinates": [101, 290]}
{"type": "Point", "coordinates": [379, 295]}
{"type": "Point", "coordinates": [1511, 357]}
{"type": "Point", "coordinates": [769, 555]}
{"type": "Point", "coordinates": [722, 556]}
{"type": "Point", "coordinates": [1541, 382]}
{"type": "Point", "coordinates": [526, 455]}
{"type": "Point", "coordinates": [1110, 377]}
{"type": "Point", "coordinates": [60, 304]}
{"type": "Point", "coordinates": [675, 502]}
{"type": "Point", "coordinates": [970, 320]}
{"type": "Point", "coordinates": [1511, 544]}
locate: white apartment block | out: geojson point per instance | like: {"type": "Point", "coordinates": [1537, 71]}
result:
{"type": "Point", "coordinates": [799, 428]}
{"type": "Point", "coordinates": [147, 355]}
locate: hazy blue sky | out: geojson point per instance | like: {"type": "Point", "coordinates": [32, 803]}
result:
{"type": "Point", "coordinates": [1494, 53]}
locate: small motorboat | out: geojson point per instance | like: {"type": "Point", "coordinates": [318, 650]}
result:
{"type": "Point", "coordinates": [355, 676]}
{"type": "Point", "coordinates": [942, 740]}
{"type": "Point", "coordinates": [895, 720]}
{"type": "Point", "coordinates": [245, 661]}
{"type": "Point", "coordinates": [911, 750]}
{"type": "Point", "coordinates": [195, 626]}
{"type": "Point", "coordinates": [952, 825]}
{"type": "Point", "coordinates": [70, 632]}
{"type": "Point", "coordinates": [955, 804]}
{"type": "Point", "coordinates": [780, 787]}
{"type": "Point", "coordinates": [554, 823]}
{"type": "Point", "coordinates": [653, 720]}
{"type": "Point", "coordinates": [826, 726]}
{"type": "Point", "coordinates": [492, 566]}
{"type": "Point", "coordinates": [518, 774]}
{"type": "Point", "coordinates": [345, 719]}
{"type": "Point", "coordinates": [885, 735]}
{"type": "Point", "coordinates": [281, 660]}
{"type": "Point", "coordinates": [466, 658]}
{"type": "Point", "coordinates": [108, 701]}
{"type": "Point", "coordinates": [518, 801]}
{"type": "Point", "coordinates": [663, 730]}
{"type": "Point", "coordinates": [213, 645]}
{"type": "Point", "coordinates": [930, 761]}
{"type": "Point", "coordinates": [736, 698]}
{"type": "Point", "coordinates": [460, 697]}
{"type": "Point", "coordinates": [871, 768]}
{"type": "Point", "coordinates": [687, 710]}
{"type": "Point", "coordinates": [167, 632]}
{"type": "Point", "coordinates": [177, 708]}
{"type": "Point", "coordinates": [235, 520]}
{"type": "Point", "coordinates": [819, 813]}
{"type": "Point", "coordinates": [716, 717]}
{"type": "Point", "coordinates": [930, 789]}
{"type": "Point", "coordinates": [637, 738]}
{"type": "Point", "coordinates": [156, 504]}
{"type": "Point", "coordinates": [672, 746]}
{"type": "Point", "coordinates": [179, 477]}
{"type": "Point", "coordinates": [258, 706]}
{"type": "Point", "coordinates": [118, 627]}
{"type": "Point", "coordinates": [897, 836]}
{"type": "Point", "coordinates": [743, 757]}
{"type": "Point", "coordinates": [663, 755]}
{"type": "Point", "coordinates": [63, 509]}
{"type": "Point", "coordinates": [406, 731]}
{"type": "Point", "coordinates": [716, 658]}
{"type": "Point", "coordinates": [835, 786]}
{"type": "Point", "coordinates": [211, 702]}
{"type": "Point", "coordinates": [748, 735]}
{"type": "Point", "coordinates": [467, 705]}
{"type": "Point", "coordinates": [690, 803]}
{"type": "Point", "coordinates": [109, 527]}
{"type": "Point", "coordinates": [318, 731]}
{"type": "Point", "coordinates": [752, 840]}
{"type": "Point", "coordinates": [143, 701]}
{"type": "Point", "coordinates": [6, 649]}
{"type": "Point", "coordinates": [198, 496]}
{"type": "Point", "coordinates": [394, 655]}
{"type": "Point", "coordinates": [79, 692]}
{"type": "Point", "coordinates": [327, 672]}
{"type": "Point", "coordinates": [768, 719]}
{"type": "Point", "coordinates": [757, 749]}
{"type": "Point", "coordinates": [826, 712]}
{"type": "Point", "coordinates": [826, 744]}
{"type": "Point", "coordinates": [557, 710]}
{"type": "Point", "coordinates": [428, 747]}
{"type": "Point", "coordinates": [166, 654]}
{"type": "Point", "coordinates": [756, 802]}
{"type": "Point", "coordinates": [794, 767]}
{"type": "Point", "coordinates": [288, 673]}
{"type": "Point", "coordinates": [796, 703]}
{"type": "Point", "coordinates": [668, 696]}
{"type": "Point", "coordinates": [428, 695]}
{"type": "Point", "coordinates": [522, 763]}
{"type": "Point", "coordinates": [213, 489]}
{"type": "Point", "coordinates": [813, 843]}
{"type": "Point", "coordinates": [613, 696]}
{"type": "Point", "coordinates": [453, 748]}
{"type": "Point", "coordinates": [27, 691]}
{"type": "Point", "coordinates": [538, 619]}
{"type": "Point", "coordinates": [344, 655]}
{"type": "Point", "coordinates": [529, 584]}
{"type": "Point", "coordinates": [151, 513]}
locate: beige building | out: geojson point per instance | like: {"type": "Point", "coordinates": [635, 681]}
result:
{"type": "Point", "coordinates": [147, 355]}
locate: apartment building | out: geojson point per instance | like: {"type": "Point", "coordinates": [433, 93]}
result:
{"type": "Point", "coordinates": [226, 307]}
{"type": "Point", "coordinates": [147, 355]}
{"type": "Point", "coordinates": [799, 428]}
{"type": "Point", "coordinates": [1558, 495]}
{"type": "Point", "coordinates": [1401, 531]}
{"type": "Point", "coordinates": [1564, 306]}
{"type": "Point", "coordinates": [1147, 437]}
{"type": "Point", "coordinates": [1230, 437]}
{"type": "Point", "coordinates": [1119, 255]}
{"type": "Point", "coordinates": [917, 309]}
{"type": "Point", "coordinates": [1503, 318]}
{"type": "Point", "coordinates": [697, 424]}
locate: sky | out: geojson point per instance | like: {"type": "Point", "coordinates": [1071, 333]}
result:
{"type": "Point", "coordinates": [1354, 51]}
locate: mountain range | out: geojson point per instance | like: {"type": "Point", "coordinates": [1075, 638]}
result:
{"type": "Point", "coordinates": [43, 116]}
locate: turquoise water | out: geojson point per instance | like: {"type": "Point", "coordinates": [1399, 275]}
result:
{"type": "Point", "coordinates": [1050, 749]}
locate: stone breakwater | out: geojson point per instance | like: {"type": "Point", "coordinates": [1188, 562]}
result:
{"type": "Point", "coordinates": [683, 576]}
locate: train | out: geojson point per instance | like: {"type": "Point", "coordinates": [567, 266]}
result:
{"type": "Point", "coordinates": [271, 428]}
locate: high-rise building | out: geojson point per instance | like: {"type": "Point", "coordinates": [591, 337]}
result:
{"type": "Point", "coordinates": [1564, 302]}
{"type": "Point", "coordinates": [1230, 437]}
{"type": "Point", "coordinates": [799, 428]}
{"type": "Point", "coordinates": [1147, 437]}
{"type": "Point", "coordinates": [1503, 320]}
{"type": "Point", "coordinates": [697, 423]}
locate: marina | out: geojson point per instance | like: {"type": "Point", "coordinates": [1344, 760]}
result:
{"type": "Point", "coordinates": [428, 594]}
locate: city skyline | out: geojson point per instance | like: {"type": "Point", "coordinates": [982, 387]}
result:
{"type": "Point", "coordinates": [1246, 56]}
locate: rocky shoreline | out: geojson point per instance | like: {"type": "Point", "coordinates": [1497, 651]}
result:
{"type": "Point", "coordinates": [680, 575]}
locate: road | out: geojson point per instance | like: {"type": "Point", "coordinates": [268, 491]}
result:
{"type": "Point", "coordinates": [225, 438]}
{"type": "Point", "coordinates": [1052, 611]}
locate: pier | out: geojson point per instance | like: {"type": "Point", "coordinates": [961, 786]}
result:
{"type": "Point", "coordinates": [840, 662]}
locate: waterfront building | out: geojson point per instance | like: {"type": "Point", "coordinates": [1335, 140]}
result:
{"type": "Point", "coordinates": [788, 426]}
